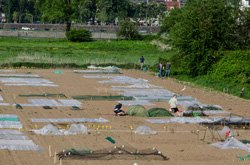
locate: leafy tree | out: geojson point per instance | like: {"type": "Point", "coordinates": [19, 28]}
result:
{"type": "Point", "coordinates": [59, 10]}
{"type": "Point", "coordinates": [204, 28]}
{"type": "Point", "coordinates": [15, 16]}
{"type": "Point", "coordinates": [7, 5]}
{"type": "Point", "coordinates": [128, 30]}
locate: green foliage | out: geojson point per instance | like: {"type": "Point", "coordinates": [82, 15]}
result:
{"type": "Point", "coordinates": [128, 30]}
{"type": "Point", "coordinates": [79, 35]}
{"type": "Point", "coordinates": [149, 37]}
{"type": "Point", "coordinates": [233, 67]}
{"type": "Point", "coordinates": [206, 27]}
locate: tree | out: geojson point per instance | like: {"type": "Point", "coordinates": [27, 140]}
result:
{"type": "Point", "coordinates": [7, 5]}
{"type": "Point", "coordinates": [128, 30]}
{"type": "Point", "coordinates": [204, 28]}
{"type": "Point", "coordinates": [15, 16]}
{"type": "Point", "coordinates": [59, 10]}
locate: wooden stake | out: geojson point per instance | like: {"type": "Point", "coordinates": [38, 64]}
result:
{"type": "Point", "coordinates": [60, 161]}
{"type": "Point", "coordinates": [49, 151]}
{"type": "Point", "coordinates": [55, 158]}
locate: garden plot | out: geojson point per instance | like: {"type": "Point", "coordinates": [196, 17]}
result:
{"type": "Point", "coordinates": [51, 102]}
{"type": "Point", "coordinates": [14, 139]}
{"type": "Point", "coordinates": [26, 82]}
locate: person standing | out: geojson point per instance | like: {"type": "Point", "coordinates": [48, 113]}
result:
{"type": "Point", "coordinates": [160, 68]}
{"type": "Point", "coordinates": [141, 61]}
{"type": "Point", "coordinates": [173, 104]}
{"type": "Point", "coordinates": [168, 67]}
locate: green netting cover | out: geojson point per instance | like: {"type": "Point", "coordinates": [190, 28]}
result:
{"type": "Point", "coordinates": [8, 119]}
{"type": "Point", "coordinates": [245, 141]}
{"type": "Point", "coordinates": [79, 152]}
{"type": "Point", "coordinates": [158, 112]}
{"type": "Point", "coordinates": [44, 95]}
{"type": "Point", "coordinates": [91, 97]}
{"type": "Point", "coordinates": [137, 110]}
{"type": "Point", "coordinates": [245, 158]}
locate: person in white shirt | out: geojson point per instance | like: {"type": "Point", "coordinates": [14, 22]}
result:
{"type": "Point", "coordinates": [173, 104]}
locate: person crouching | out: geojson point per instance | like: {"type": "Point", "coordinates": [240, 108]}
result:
{"type": "Point", "coordinates": [173, 104]}
{"type": "Point", "coordinates": [118, 110]}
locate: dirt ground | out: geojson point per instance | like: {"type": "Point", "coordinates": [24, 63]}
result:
{"type": "Point", "coordinates": [179, 142]}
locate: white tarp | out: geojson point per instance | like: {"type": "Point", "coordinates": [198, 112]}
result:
{"type": "Point", "coordinates": [8, 115]}
{"type": "Point", "coordinates": [194, 120]}
{"type": "Point", "coordinates": [14, 137]}
{"type": "Point", "coordinates": [77, 129]}
{"type": "Point", "coordinates": [10, 132]}
{"type": "Point", "coordinates": [144, 92]}
{"type": "Point", "coordinates": [18, 75]}
{"type": "Point", "coordinates": [104, 68]}
{"type": "Point", "coordinates": [48, 130]}
{"type": "Point", "coordinates": [231, 143]}
{"type": "Point", "coordinates": [100, 120]}
{"type": "Point", "coordinates": [18, 145]}
{"type": "Point", "coordinates": [139, 85]}
{"type": "Point", "coordinates": [207, 112]}
{"type": "Point", "coordinates": [145, 130]}
{"type": "Point", "coordinates": [226, 129]}
{"type": "Point", "coordinates": [12, 124]}
{"type": "Point", "coordinates": [51, 102]}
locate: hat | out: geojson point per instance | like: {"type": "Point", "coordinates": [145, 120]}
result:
{"type": "Point", "coordinates": [175, 94]}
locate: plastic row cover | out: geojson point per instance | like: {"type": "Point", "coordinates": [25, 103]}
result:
{"type": "Point", "coordinates": [19, 147]}
{"type": "Point", "coordinates": [12, 124]}
{"type": "Point", "coordinates": [194, 120]}
{"type": "Point", "coordinates": [8, 115]}
{"type": "Point", "coordinates": [18, 75]}
{"type": "Point", "coordinates": [231, 143]}
{"type": "Point", "coordinates": [227, 129]}
{"type": "Point", "coordinates": [208, 112]}
{"type": "Point", "coordinates": [105, 68]}
{"type": "Point", "coordinates": [10, 132]}
{"type": "Point", "coordinates": [144, 92]}
{"type": "Point", "coordinates": [100, 120]}
{"type": "Point", "coordinates": [18, 137]}
{"type": "Point", "coordinates": [51, 102]}
{"type": "Point", "coordinates": [145, 130]}
{"type": "Point", "coordinates": [74, 129]}
{"type": "Point", "coordinates": [139, 85]}
{"type": "Point", "coordinates": [164, 98]}
{"type": "Point", "coordinates": [32, 84]}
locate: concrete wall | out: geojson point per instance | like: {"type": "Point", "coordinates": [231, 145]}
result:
{"type": "Point", "coordinates": [63, 27]}
{"type": "Point", "coordinates": [49, 34]}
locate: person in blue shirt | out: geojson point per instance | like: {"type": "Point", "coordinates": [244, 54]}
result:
{"type": "Point", "coordinates": [118, 110]}
{"type": "Point", "coordinates": [141, 61]}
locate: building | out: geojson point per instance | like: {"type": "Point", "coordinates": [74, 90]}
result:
{"type": "Point", "coordinates": [171, 4]}
{"type": "Point", "coordinates": [182, 3]}
{"type": "Point", "coordinates": [245, 3]}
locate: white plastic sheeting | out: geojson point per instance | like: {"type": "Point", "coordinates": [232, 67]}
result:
{"type": "Point", "coordinates": [104, 76]}
{"type": "Point", "coordinates": [10, 132]}
{"type": "Point", "coordinates": [12, 124]}
{"type": "Point", "coordinates": [8, 115]}
{"type": "Point", "coordinates": [164, 98]}
{"type": "Point", "coordinates": [76, 129]}
{"type": "Point", "coordinates": [144, 92]}
{"type": "Point", "coordinates": [1, 98]}
{"type": "Point", "coordinates": [18, 145]}
{"type": "Point", "coordinates": [26, 81]}
{"type": "Point", "coordinates": [1, 70]}
{"type": "Point", "coordinates": [4, 104]}
{"type": "Point", "coordinates": [104, 68]}
{"type": "Point", "coordinates": [136, 102]}
{"type": "Point", "coordinates": [226, 129]}
{"type": "Point", "coordinates": [18, 75]}
{"type": "Point", "coordinates": [231, 143]}
{"type": "Point", "coordinates": [51, 102]}
{"type": "Point", "coordinates": [48, 130]}
{"type": "Point", "coordinates": [194, 120]}
{"type": "Point", "coordinates": [139, 85]}
{"type": "Point", "coordinates": [207, 112]}
{"type": "Point", "coordinates": [186, 104]}
{"type": "Point", "coordinates": [14, 137]}
{"type": "Point", "coordinates": [32, 84]}
{"type": "Point", "coordinates": [145, 130]}
{"type": "Point", "coordinates": [100, 120]}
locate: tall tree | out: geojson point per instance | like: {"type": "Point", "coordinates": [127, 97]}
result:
{"type": "Point", "coordinates": [7, 5]}
{"type": "Point", "coordinates": [59, 10]}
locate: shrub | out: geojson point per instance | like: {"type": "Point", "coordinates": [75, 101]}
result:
{"type": "Point", "coordinates": [79, 35]}
{"type": "Point", "coordinates": [128, 30]}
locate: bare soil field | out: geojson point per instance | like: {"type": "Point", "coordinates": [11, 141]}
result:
{"type": "Point", "coordinates": [179, 142]}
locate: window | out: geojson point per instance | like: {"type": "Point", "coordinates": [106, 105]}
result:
{"type": "Point", "coordinates": [167, 4]}
{"type": "Point", "coordinates": [3, 14]}
{"type": "Point", "coordinates": [3, 20]}
{"type": "Point", "coordinates": [172, 4]}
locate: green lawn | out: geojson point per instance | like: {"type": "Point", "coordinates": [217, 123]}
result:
{"type": "Point", "coordinates": [60, 52]}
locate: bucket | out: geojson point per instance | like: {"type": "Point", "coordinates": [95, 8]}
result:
{"type": "Point", "coordinates": [179, 113]}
